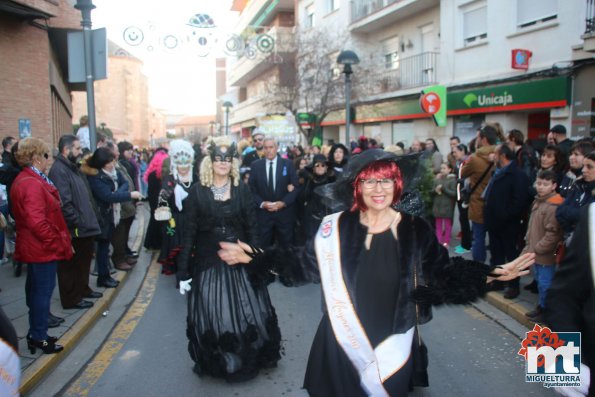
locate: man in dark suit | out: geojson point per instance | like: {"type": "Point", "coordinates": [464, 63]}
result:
{"type": "Point", "coordinates": [506, 198]}
{"type": "Point", "coordinates": [273, 182]}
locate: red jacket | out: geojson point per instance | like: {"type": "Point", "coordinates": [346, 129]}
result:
{"type": "Point", "coordinates": [42, 234]}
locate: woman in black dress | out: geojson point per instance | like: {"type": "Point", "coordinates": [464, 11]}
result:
{"type": "Point", "coordinates": [231, 324]}
{"type": "Point", "coordinates": [175, 189]}
{"type": "Point", "coordinates": [371, 261]}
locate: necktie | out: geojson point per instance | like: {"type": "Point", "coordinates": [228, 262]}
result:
{"type": "Point", "coordinates": [271, 182]}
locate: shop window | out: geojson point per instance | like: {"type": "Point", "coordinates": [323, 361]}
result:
{"type": "Point", "coordinates": [531, 12]}
{"type": "Point", "coordinates": [466, 126]}
{"type": "Point", "coordinates": [475, 22]}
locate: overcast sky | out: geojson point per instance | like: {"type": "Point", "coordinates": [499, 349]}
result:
{"type": "Point", "coordinates": [181, 71]}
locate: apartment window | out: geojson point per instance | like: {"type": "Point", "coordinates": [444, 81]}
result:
{"type": "Point", "coordinates": [390, 49]}
{"type": "Point", "coordinates": [475, 21]}
{"type": "Point", "coordinates": [530, 12]}
{"type": "Point", "coordinates": [336, 69]}
{"type": "Point", "coordinates": [333, 5]}
{"type": "Point", "coordinates": [309, 20]}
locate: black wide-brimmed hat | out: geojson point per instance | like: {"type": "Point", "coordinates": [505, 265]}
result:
{"type": "Point", "coordinates": [338, 196]}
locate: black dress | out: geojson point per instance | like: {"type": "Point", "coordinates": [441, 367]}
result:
{"type": "Point", "coordinates": [231, 325]}
{"type": "Point", "coordinates": [173, 230]}
{"type": "Point", "coordinates": [330, 372]}
{"type": "Point", "coordinates": [153, 235]}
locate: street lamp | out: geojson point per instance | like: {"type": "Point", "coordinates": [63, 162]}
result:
{"type": "Point", "coordinates": [226, 106]}
{"type": "Point", "coordinates": [212, 127]}
{"type": "Point", "coordinates": [85, 6]}
{"type": "Point", "coordinates": [347, 58]}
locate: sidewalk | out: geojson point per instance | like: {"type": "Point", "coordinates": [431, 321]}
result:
{"type": "Point", "coordinates": [77, 321]}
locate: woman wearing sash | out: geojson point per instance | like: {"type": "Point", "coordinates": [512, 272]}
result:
{"type": "Point", "coordinates": [231, 325]}
{"type": "Point", "coordinates": [369, 260]}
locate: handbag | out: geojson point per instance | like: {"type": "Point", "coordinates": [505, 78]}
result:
{"type": "Point", "coordinates": [162, 212]}
{"type": "Point", "coordinates": [466, 192]}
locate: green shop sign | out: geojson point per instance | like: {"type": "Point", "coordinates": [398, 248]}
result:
{"type": "Point", "coordinates": [530, 95]}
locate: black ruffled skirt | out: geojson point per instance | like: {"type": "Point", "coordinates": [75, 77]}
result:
{"type": "Point", "coordinates": [231, 325]}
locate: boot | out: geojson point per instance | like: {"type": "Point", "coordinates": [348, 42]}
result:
{"type": "Point", "coordinates": [536, 314]}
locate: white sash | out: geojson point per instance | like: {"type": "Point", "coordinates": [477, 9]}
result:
{"type": "Point", "coordinates": [373, 365]}
{"type": "Point", "coordinates": [10, 370]}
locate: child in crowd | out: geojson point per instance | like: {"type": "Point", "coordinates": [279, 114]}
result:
{"type": "Point", "coordinates": [543, 235]}
{"type": "Point", "coordinates": [444, 190]}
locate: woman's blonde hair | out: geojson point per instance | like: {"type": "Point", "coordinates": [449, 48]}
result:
{"type": "Point", "coordinates": [206, 166]}
{"type": "Point", "coordinates": [28, 148]}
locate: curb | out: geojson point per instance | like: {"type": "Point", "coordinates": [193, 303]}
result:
{"type": "Point", "coordinates": [46, 363]}
{"type": "Point", "coordinates": [510, 307]}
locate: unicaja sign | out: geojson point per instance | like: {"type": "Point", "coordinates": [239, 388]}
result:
{"type": "Point", "coordinates": [553, 358]}
{"type": "Point", "coordinates": [489, 100]}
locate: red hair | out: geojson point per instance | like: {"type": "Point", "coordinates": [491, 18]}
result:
{"type": "Point", "coordinates": [378, 170]}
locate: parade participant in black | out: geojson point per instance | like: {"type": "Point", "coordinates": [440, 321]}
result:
{"type": "Point", "coordinates": [314, 210]}
{"type": "Point", "coordinates": [365, 343]}
{"type": "Point", "coordinates": [231, 324]}
{"type": "Point", "coordinates": [337, 158]}
{"type": "Point", "coordinates": [570, 304]}
{"type": "Point", "coordinates": [274, 182]}
{"type": "Point", "coordinates": [175, 190]}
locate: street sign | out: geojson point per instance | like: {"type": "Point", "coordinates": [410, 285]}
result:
{"type": "Point", "coordinates": [24, 128]}
{"type": "Point", "coordinates": [76, 56]}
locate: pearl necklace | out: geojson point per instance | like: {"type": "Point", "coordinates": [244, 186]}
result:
{"type": "Point", "coordinates": [219, 192]}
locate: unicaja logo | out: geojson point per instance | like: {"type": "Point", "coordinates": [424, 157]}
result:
{"type": "Point", "coordinates": [553, 358]}
{"type": "Point", "coordinates": [488, 100]}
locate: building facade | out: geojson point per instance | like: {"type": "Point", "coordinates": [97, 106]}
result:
{"type": "Point", "coordinates": [34, 89]}
{"type": "Point", "coordinates": [261, 55]}
{"type": "Point", "coordinates": [524, 64]}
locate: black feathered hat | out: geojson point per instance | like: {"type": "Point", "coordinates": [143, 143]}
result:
{"type": "Point", "coordinates": [338, 196]}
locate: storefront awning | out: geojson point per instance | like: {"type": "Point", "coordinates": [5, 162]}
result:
{"type": "Point", "coordinates": [536, 94]}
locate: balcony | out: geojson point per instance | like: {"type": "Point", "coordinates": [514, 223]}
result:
{"type": "Point", "coordinates": [589, 35]}
{"type": "Point", "coordinates": [247, 110]}
{"type": "Point", "coordinates": [253, 62]}
{"type": "Point", "coordinates": [414, 71]}
{"type": "Point", "coordinates": [371, 15]}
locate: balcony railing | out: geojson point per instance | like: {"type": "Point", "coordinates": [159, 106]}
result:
{"type": "Point", "coordinates": [362, 8]}
{"type": "Point", "coordinates": [414, 71]}
{"type": "Point", "coordinates": [590, 28]}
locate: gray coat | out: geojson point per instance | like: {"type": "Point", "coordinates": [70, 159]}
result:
{"type": "Point", "coordinates": [444, 204]}
{"type": "Point", "coordinates": [77, 202]}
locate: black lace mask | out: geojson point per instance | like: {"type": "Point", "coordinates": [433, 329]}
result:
{"type": "Point", "coordinates": [217, 154]}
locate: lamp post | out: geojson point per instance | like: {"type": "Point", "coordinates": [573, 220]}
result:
{"type": "Point", "coordinates": [85, 6]}
{"type": "Point", "coordinates": [347, 58]}
{"type": "Point", "coordinates": [212, 127]}
{"type": "Point", "coordinates": [226, 106]}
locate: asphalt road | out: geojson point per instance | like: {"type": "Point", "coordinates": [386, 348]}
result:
{"type": "Point", "coordinates": [146, 352]}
